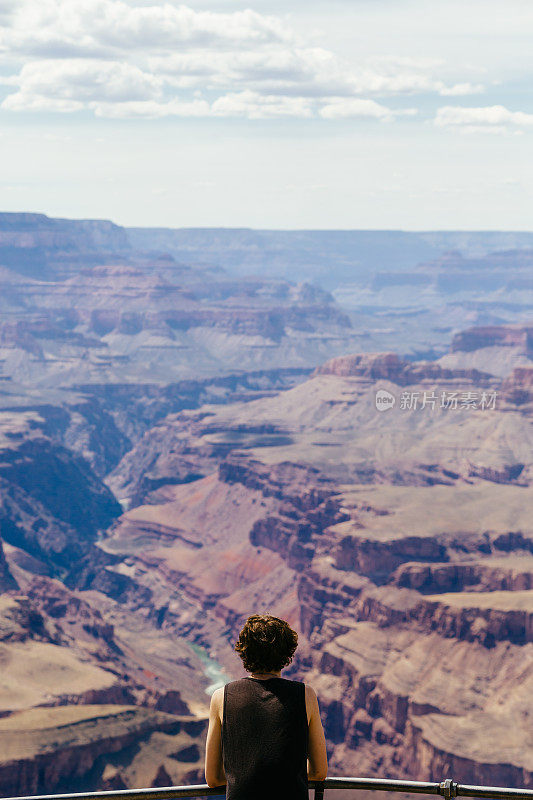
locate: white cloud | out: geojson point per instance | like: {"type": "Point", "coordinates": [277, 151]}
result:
{"type": "Point", "coordinates": [461, 89]}
{"type": "Point", "coordinates": [273, 70]}
{"type": "Point", "coordinates": [256, 106]}
{"type": "Point", "coordinates": [489, 119]}
{"type": "Point", "coordinates": [81, 80]}
{"type": "Point", "coordinates": [344, 108]}
{"type": "Point", "coordinates": [151, 109]}
{"type": "Point", "coordinates": [111, 26]}
{"type": "Point", "coordinates": [123, 59]}
{"type": "Point", "coordinates": [297, 71]}
{"type": "Point", "coordinates": [397, 74]}
{"type": "Point", "coordinates": [407, 82]}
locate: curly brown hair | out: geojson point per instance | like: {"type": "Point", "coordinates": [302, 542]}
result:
{"type": "Point", "coordinates": [266, 643]}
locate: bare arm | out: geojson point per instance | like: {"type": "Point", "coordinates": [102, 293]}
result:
{"type": "Point", "coordinates": [214, 767]}
{"type": "Point", "coordinates": [317, 763]}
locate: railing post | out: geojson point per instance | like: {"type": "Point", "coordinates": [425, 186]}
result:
{"type": "Point", "coordinates": [448, 788]}
{"type": "Point", "coordinates": [319, 792]}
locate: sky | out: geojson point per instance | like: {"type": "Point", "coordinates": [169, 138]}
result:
{"type": "Point", "coordinates": [404, 114]}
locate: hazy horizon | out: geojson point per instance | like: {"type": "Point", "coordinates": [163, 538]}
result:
{"type": "Point", "coordinates": [276, 230]}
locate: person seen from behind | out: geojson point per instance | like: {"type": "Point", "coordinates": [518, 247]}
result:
{"type": "Point", "coordinates": [265, 738]}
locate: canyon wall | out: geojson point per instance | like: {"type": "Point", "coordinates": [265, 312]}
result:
{"type": "Point", "coordinates": [181, 446]}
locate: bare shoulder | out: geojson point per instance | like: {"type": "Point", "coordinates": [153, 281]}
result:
{"type": "Point", "coordinates": [311, 701]}
{"type": "Point", "coordinates": [217, 702]}
{"type": "Point", "coordinates": [310, 693]}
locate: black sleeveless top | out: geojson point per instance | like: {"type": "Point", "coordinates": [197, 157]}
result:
{"type": "Point", "coordinates": [265, 739]}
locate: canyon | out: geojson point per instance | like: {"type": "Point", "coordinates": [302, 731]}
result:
{"type": "Point", "coordinates": [182, 445]}
{"type": "Point", "coordinates": [411, 622]}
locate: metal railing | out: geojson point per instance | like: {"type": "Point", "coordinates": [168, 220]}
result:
{"type": "Point", "coordinates": [447, 788]}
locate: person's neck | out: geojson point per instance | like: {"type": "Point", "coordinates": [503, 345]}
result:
{"type": "Point", "coordinates": [265, 675]}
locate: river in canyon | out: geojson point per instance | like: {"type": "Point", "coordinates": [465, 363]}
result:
{"type": "Point", "coordinates": [212, 669]}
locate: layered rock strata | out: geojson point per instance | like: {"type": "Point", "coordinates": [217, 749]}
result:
{"type": "Point", "coordinates": [48, 750]}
